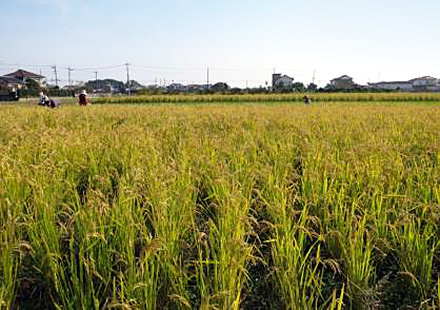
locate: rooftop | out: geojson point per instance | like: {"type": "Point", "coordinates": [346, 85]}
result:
{"type": "Point", "coordinates": [343, 77]}
{"type": "Point", "coordinates": [392, 82]}
{"type": "Point", "coordinates": [21, 74]}
{"type": "Point", "coordinates": [424, 78]}
{"type": "Point", "coordinates": [8, 80]}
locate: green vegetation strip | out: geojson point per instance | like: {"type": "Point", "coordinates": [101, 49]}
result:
{"type": "Point", "coordinates": [220, 207]}
{"type": "Point", "coordinates": [292, 97]}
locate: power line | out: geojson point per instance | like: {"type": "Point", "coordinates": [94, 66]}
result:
{"type": "Point", "coordinates": [100, 68]}
{"type": "Point", "coordinates": [167, 68]}
{"type": "Point", "coordinates": [23, 65]}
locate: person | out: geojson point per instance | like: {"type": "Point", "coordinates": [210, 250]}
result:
{"type": "Point", "coordinates": [14, 94]}
{"type": "Point", "coordinates": [44, 100]}
{"type": "Point", "coordinates": [41, 98]}
{"type": "Point", "coordinates": [54, 103]}
{"type": "Point", "coordinates": [83, 98]}
{"type": "Point", "coordinates": [307, 100]}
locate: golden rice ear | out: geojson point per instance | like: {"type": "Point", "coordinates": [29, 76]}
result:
{"type": "Point", "coordinates": [221, 206]}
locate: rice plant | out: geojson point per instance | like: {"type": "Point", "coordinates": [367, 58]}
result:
{"type": "Point", "coordinates": [220, 206]}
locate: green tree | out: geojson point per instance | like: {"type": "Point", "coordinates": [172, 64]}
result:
{"type": "Point", "coordinates": [298, 87]}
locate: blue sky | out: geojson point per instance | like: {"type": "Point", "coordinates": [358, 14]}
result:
{"type": "Point", "coordinates": [241, 40]}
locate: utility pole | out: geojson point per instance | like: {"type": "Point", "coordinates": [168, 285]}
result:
{"type": "Point", "coordinates": [54, 67]}
{"type": "Point", "coordinates": [128, 78]}
{"type": "Point", "coordinates": [207, 77]}
{"type": "Point", "coordinates": [68, 76]}
{"type": "Point", "coordinates": [96, 80]}
{"type": "Point", "coordinates": [313, 79]}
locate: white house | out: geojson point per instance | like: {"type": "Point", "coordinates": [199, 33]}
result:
{"type": "Point", "coordinates": [396, 85]}
{"type": "Point", "coordinates": [425, 83]}
{"type": "Point", "coordinates": [281, 81]}
{"type": "Point", "coordinates": [343, 82]}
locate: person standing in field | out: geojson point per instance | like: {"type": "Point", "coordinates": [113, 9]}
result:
{"type": "Point", "coordinates": [307, 100]}
{"type": "Point", "coordinates": [83, 100]}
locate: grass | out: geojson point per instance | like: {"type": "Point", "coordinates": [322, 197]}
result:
{"type": "Point", "coordinates": [220, 206]}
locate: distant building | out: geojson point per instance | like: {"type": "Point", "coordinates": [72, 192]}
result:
{"type": "Point", "coordinates": [395, 85]}
{"type": "Point", "coordinates": [10, 83]}
{"type": "Point", "coordinates": [342, 83]}
{"type": "Point", "coordinates": [281, 81]}
{"type": "Point", "coordinates": [197, 88]}
{"type": "Point", "coordinates": [10, 88]}
{"type": "Point", "coordinates": [220, 87]}
{"type": "Point", "coordinates": [24, 76]}
{"type": "Point", "coordinates": [425, 83]}
{"type": "Point", "coordinates": [176, 87]}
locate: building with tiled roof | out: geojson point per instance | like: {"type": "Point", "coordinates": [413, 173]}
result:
{"type": "Point", "coordinates": [24, 76]}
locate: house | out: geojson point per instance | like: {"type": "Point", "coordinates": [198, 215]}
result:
{"type": "Point", "coordinates": [396, 85]}
{"type": "Point", "coordinates": [424, 83]}
{"type": "Point", "coordinates": [197, 88]}
{"type": "Point", "coordinates": [25, 76]}
{"type": "Point", "coordinates": [176, 87]}
{"type": "Point", "coordinates": [281, 81]}
{"type": "Point", "coordinates": [10, 83]}
{"type": "Point", "coordinates": [9, 88]}
{"type": "Point", "coordinates": [343, 82]}
{"type": "Point", "coordinates": [220, 87]}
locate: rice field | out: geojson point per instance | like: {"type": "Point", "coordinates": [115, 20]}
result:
{"type": "Point", "coordinates": [274, 97]}
{"type": "Point", "coordinates": [220, 207]}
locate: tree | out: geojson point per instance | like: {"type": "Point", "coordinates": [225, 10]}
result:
{"type": "Point", "coordinates": [298, 87]}
{"type": "Point", "coordinates": [32, 85]}
{"type": "Point", "coordinates": [220, 87]}
{"type": "Point", "coordinates": [312, 87]}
